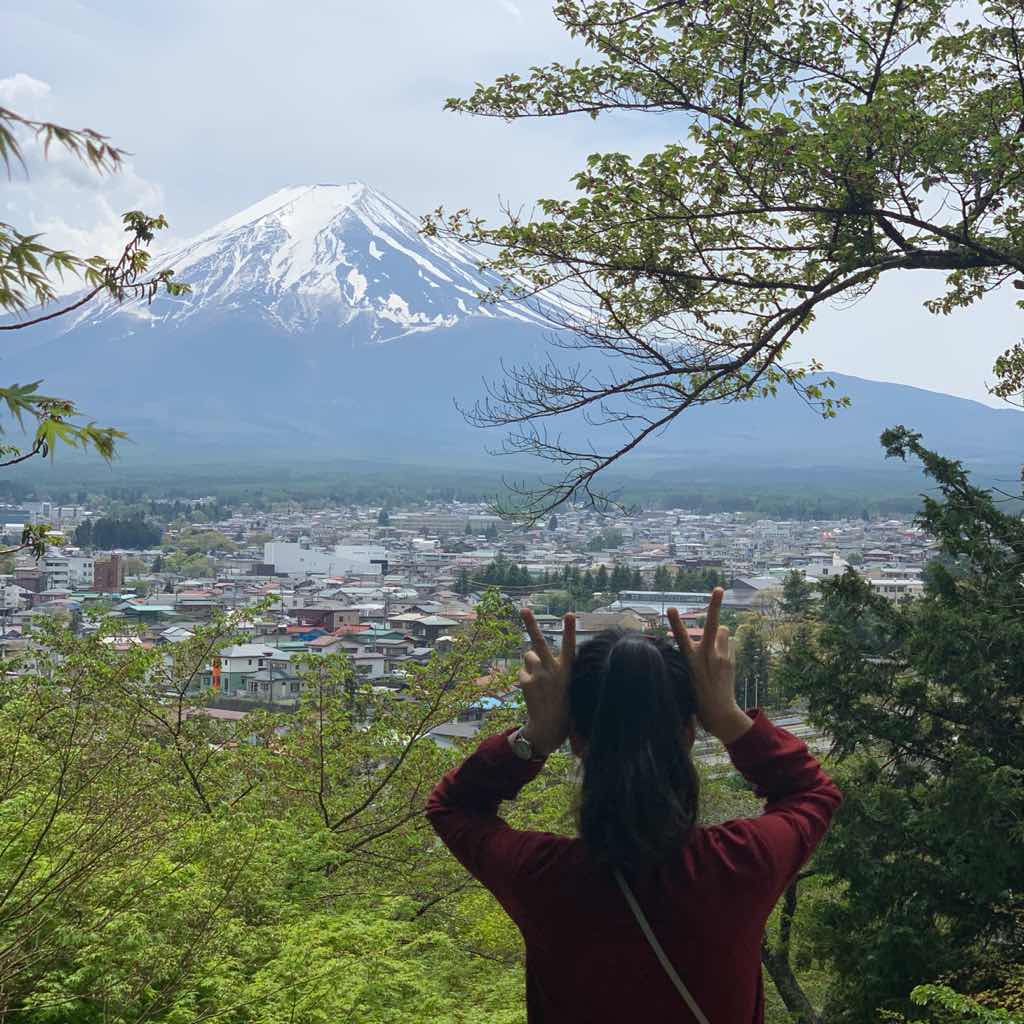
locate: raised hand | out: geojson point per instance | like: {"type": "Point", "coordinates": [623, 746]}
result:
{"type": "Point", "coordinates": [544, 680]}
{"type": "Point", "coordinates": [713, 670]}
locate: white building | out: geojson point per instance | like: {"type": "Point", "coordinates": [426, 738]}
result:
{"type": "Point", "coordinates": [898, 589]}
{"type": "Point", "coordinates": [365, 559]}
{"type": "Point", "coordinates": [824, 566]}
{"type": "Point", "coordinates": [81, 569]}
{"type": "Point", "coordinates": [58, 571]}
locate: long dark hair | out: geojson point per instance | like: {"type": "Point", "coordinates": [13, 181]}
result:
{"type": "Point", "coordinates": [630, 700]}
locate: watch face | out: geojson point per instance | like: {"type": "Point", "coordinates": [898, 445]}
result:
{"type": "Point", "coordinates": [523, 747]}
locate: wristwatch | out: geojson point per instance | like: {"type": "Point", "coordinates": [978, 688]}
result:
{"type": "Point", "coordinates": [522, 746]}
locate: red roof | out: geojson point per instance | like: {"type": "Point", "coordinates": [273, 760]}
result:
{"type": "Point", "coordinates": [323, 641]}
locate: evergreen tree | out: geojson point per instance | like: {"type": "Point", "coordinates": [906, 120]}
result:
{"type": "Point", "coordinates": [601, 579]}
{"type": "Point", "coordinates": [83, 534]}
{"type": "Point", "coordinates": [753, 665]}
{"type": "Point", "coordinates": [107, 533]}
{"type": "Point", "coordinates": [797, 594]}
{"type": "Point", "coordinates": [619, 578]}
{"type": "Point", "coordinates": [923, 702]}
{"type": "Point", "coordinates": [636, 580]}
{"type": "Point", "coordinates": [663, 578]}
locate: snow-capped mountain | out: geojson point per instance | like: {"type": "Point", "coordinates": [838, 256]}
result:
{"type": "Point", "coordinates": [321, 256]}
{"type": "Point", "coordinates": [278, 349]}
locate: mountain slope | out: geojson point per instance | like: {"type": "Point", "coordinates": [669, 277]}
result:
{"type": "Point", "coordinates": [322, 255]}
{"type": "Point", "coordinates": [279, 349]}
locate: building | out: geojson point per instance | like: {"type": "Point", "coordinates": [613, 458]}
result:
{"type": "Point", "coordinates": [58, 571]}
{"type": "Point", "coordinates": [898, 589]}
{"type": "Point", "coordinates": [82, 571]}
{"type": "Point", "coordinates": [664, 599]}
{"type": "Point", "coordinates": [30, 578]}
{"type": "Point", "coordinates": [342, 559]}
{"type": "Point", "coordinates": [108, 575]}
{"type": "Point", "coordinates": [236, 670]}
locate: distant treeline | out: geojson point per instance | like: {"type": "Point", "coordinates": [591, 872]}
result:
{"type": "Point", "coordinates": [135, 533]}
{"type": "Point", "coordinates": [808, 496]}
{"type": "Point", "coordinates": [507, 575]}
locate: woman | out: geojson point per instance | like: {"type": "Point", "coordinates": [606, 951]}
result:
{"type": "Point", "coordinates": [628, 706]}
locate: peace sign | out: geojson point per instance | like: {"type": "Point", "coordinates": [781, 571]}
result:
{"type": "Point", "coordinates": [713, 671]}
{"type": "Point", "coordinates": [544, 680]}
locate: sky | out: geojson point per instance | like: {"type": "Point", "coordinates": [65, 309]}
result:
{"type": "Point", "coordinates": [221, 102]}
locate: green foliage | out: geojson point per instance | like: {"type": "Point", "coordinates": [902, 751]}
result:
{"type": "Point", "coordinates": [797, 594]}
{"type": "Point", "coordinates": [163, 865]}
{"type": "Point", "coordinates": [605, 540]}
{"type": "Point", "coordinates": [962, 1008]}
{"type": "Point", "coordinates": [753, 665]}
{"type": "Point", "coordinates": [504, 574]}
{"type": "Point", "coordinates": [924, 703]}
{"type": "Point", "coordinates": [107, 532]}
{"type": "Point", "coordinates": [29, 271]}
{"type": "Point", "coordinates": [820, 148]}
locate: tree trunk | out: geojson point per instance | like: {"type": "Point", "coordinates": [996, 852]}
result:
{"type": "Point", "coordinates": [776, 962]}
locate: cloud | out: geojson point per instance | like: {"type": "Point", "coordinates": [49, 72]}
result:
{"type": "Point", "coordinates": [24, 92]}
{"type": "Point", "coordinates": [59, 197]}
{"type": "Point", "coordinates": [509, 6]}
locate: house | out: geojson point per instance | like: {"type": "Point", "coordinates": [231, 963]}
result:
{"type": "Point", "coordinates": [405, 620]}
{"type": "Point", "coordinates": [822, 566]}
{"type": "Point", "coordinates": [369, 664]}
{"type": "Point", "coordinates": [589, 624]}
{"type": "Point", "coordinates": [326, 643]}
{"type": "Point", "coordinates": [145, 612]}
{"type": "Point", "coordinates": [326, 614]}
{"type": "Point", "coordinates": [233, 668]}
{"type": "Point", "coordinates": [749, 591]}
{"type": "Point", "coordinates": [275, 683]}
{"type": "Point", "coordinates": [175, 634]}
{"type": "Point", "coordinates": [429, 628]}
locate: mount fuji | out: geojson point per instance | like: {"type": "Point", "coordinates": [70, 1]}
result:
{"type": "Point", "coordinates": [320, 323]}
{"type": "Point", "coordinates": [311, 256]}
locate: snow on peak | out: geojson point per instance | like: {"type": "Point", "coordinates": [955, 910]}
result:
{"type": "Point", "coordinates": [324, 255]}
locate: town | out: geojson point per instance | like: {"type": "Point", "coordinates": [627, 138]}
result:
{"type": "Point", "coordinates": [388, 587]}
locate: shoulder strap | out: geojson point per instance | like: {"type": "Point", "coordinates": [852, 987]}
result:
{"type": "Point", "coordinates": [658, 951]}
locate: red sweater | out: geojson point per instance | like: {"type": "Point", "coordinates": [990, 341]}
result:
{"type": "Point", "coordinates": [586, 959]}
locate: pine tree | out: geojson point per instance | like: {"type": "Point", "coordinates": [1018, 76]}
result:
{"type": "Point", "coordinates": [923, 702]}
{"type": "Point", "coordinates": [797, 594]}
{"type": "Point", "coordinates": [619, 579]}
{"type": "Point", "coordinates": [753, 665]}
